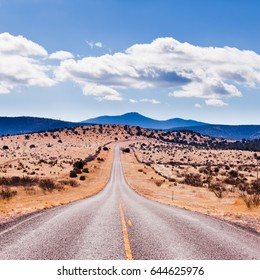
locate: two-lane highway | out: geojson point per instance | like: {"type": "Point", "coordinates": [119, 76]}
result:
{"type": "Point", "coordinates": [117, 223]}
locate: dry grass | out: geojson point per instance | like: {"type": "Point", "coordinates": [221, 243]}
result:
{"type": "Point", "coordinates": [201, 199]}
{"type": "Point", "coordinates": [32, 199]}
{"type": "Point", "coordinates": [35, 168]}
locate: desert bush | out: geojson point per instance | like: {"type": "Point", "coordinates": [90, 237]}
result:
{"type": "Point", "coordinates": [85, 170]}
{"type": "Point", "coordinates": [5, 147]}
{"type": "Point", "coordinates": [251, 200]}
{"type": "Point", "coordinates": [6, 193]}
{"type": "Point", "coordinates": [255, 186]}
{"type": "Point", "coordinates": [71, 183]}
{"type": "Point", "coordinates": [29, 190]}
{"type": "Point", "coordinates": [78, 164]}
{"type": "Point", "coordinates": [172, 180]}
{"type": "Point", "coordinates": [250, 193]}
{"type": "Point", "coordinates": [49, 185]}
{"type": "Point", "coordinates": [77, 170]}
{"type": "Point", "coordinates": [158, 183]}
{"type": "Point", "coordinates": [193, 180]}
{"type": "Point", "coordinates": [18, 181]}
{"type": "Point", "coordinates": [82, 178]}
{"type": "Point", "coordinates": [218, 190]}
{"type": "Point", "coordinates": [233, 173]}
{"type": "Point", "coordinates": [216, 169]}
{"type": "Point", "coordinates": [73, 174]}
{"type": "Point", "coordinates": [126, 150]}
{"type": "Point", "coordinates": [232, 181]}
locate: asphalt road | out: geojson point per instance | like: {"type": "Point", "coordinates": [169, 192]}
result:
{"type": "Point", "coordinates": [117, 223]}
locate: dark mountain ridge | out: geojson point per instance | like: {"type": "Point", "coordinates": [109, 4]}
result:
{"type": "Point", "coordinates": [136, 119]}
{"type": "Point", "coordinates": [234, 132]}
{"type": "Point", "coordinates": [20, 125]}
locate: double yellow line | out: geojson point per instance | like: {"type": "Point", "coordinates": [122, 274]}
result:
{"type": "Point", "coordinates": [128, 251]}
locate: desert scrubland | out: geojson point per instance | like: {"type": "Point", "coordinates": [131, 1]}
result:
{"type": "Point", "coordinates": [46, 169]}
{"type": "Point", "coordinates": [192, 171]}
{"type": "Point", "coordinates": [220, 183]}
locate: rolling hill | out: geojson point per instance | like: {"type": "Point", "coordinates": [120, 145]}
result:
{"type": "Point", "coordinates": [235, 132]}
{"type": "Point", "coordinates": [19, 125]}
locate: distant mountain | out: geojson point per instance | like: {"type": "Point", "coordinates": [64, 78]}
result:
{"type": "Point", "coordinates": [236, 132]}
{"type": "Point", "coordinates": [136, 119]}
{"type": "Point", "coordinates": [19, 125]}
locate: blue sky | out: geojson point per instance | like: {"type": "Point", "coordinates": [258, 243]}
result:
{"type": "Point", "coordinates": [72, 60]}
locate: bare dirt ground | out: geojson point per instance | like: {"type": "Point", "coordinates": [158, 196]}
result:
{"type": "Point", "coordinates": [157, 171]}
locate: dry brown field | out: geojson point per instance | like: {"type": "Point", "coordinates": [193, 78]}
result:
{"type": "Point", "coordinates": [206, 181]}
{"type": "Point", "coordinates": [35, 171]}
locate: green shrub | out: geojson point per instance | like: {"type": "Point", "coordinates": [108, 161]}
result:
{"type": "Point", "coordinates": [82, 178]}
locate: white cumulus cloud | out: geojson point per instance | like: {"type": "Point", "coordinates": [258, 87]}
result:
{"type": "Point", "coordinates": [182, 68]}
{"type": "Point", "coordinates": [101, 92]}
{"type": "Point", "coordinates": [215, 102]}
{"type": "Point", "coordinates": [61, 55]}
{"type": "Point", "coordinates": [22, 63]}
{"type": "Point", "coordinates": [20, 46]}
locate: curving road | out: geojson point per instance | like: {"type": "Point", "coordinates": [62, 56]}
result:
{"type": "Point", "coordinates": [117, 223]}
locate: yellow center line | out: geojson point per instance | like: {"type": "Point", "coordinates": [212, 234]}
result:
{"type": "Point", "coordinates": [128, 251]}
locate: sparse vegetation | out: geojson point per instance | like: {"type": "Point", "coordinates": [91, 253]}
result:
{"type": "Point", "coordinates": [6, 193]}
{"type": "Point", "coordinates": [49, 185]}
{"type": "Point", "coordinates": [193, 180]}
{"type": "Point", "coordinates": [73, 174]}
{"type": "Point", "coordinates": [170, 160]}
{"type": "Point", "coordinates": [126, 150]}
{"type": "Point", "coordinates": [82, 178]}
